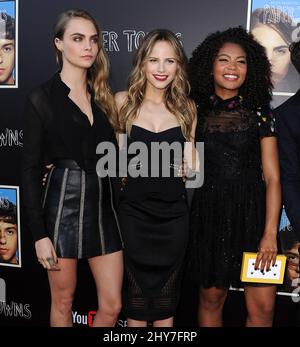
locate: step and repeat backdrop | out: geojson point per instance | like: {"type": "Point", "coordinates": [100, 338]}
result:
{"type": "Point", "coordinates": [27, 59]}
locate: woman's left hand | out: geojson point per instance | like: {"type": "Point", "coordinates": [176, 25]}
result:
{"type": "Point", "coordinates": [183, 170]}
{"type": "Point", "coordinates": [267, 252]}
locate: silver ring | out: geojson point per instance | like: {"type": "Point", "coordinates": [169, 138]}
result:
{"type": "Point", "coordinates": [50, 261]}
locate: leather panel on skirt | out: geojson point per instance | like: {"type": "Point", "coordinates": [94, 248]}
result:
{"type": "Point", "coordinates": [79, 212]}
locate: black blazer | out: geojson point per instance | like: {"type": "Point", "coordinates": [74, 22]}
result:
{"type": "Point", "coordinates": [53, 129]}
{"type": "Point", "coordinates": [288, 117]}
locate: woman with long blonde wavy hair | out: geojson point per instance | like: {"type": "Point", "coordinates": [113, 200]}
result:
{"type": "Point", "coordinates": [175, 95]}
{"type": "Point", "coordinates": [74, 217]}
{"type": "Point", "coordinates": [153, 210]}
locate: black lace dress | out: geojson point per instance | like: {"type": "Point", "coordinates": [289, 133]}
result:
{"type": "Point", "coordinates": [228, 211]}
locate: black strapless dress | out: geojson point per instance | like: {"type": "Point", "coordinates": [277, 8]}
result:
{"type": "Point", "coordinates": [153, 215]}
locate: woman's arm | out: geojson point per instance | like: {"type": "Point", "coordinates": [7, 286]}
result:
{"type": "Point", "coordinates": [270, 165]}
{"type": "Point", "coordinates": [32, 169]}
{"type": "Point", "coordinates": [191, 155]}
{"type": "Point", "coordinates": [120, 99]}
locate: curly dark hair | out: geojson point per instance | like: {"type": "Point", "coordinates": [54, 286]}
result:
{"type": "Point", "coordinates": [257, 88]}
{"type": "Point", "coordinates": [288, 238]}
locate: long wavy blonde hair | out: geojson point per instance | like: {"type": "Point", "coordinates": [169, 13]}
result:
{"type": "Point", "coordinates": [176, 94]}
{"type": "Point", "coordinates": [98, 73]}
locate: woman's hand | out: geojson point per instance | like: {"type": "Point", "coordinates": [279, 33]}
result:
{"type": "Point", "coordinates": [267, 252]}
{"type": "Point", "coordinates": [183, 170]}
{"type": "Point", "coordinates": [46, 254]}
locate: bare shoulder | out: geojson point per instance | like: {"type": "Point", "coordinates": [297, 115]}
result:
{"type": "Point", "coordinates": [120, 98]}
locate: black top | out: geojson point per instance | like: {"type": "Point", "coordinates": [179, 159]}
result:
{"type": "Point", "coordinates": [288, 115]}
{"type": "Point", "coordinates": [231, 136]}
{"type": "Point", "coordinates": [55, 128]}
{"type": "Point", "coordinates": [161, 170]}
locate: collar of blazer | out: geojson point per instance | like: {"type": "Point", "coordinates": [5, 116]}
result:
{"type": "Point", "coordinates": [66, 118]}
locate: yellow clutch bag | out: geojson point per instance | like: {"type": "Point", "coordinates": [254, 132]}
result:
{"type": "Point", "coordinates": [249, 274]}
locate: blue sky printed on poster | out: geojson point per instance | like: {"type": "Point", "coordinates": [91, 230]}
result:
{"type": "Point", "coordinates": [283, 220]}
{"type": "Point", "coordinates": [9, 7]}
{"type": "Point", "coordinates": [290, 7]}
{"type": "Point", "coordinates": [9, 193]}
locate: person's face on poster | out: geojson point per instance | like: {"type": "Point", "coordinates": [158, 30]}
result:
{"type": "Point", "coordinates": [8, 242]}
{"type": "Point", "coordinates": [7, 61]}
{"type": "Point", "coordinates": [293, 262]}
{"type": "Point", "coordinates": [277, 51]}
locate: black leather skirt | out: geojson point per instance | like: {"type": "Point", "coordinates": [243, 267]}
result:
{"type": "Point", "coordinates": [79, 212]}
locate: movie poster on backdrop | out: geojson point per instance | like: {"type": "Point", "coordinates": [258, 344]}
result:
{"type": "Point", "coordinates": [290, 247]}
{"type": "Point", "coordinates": [10, 233]}
{"type": "Point", "coordinates": [275, 24]}
{"type": "Point", "coordinates": [9, 44]}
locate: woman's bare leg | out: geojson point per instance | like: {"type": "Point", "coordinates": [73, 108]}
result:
{"type": "Point", "coordinates": [107, 271]}
{"type": "Point", "coordinates": [62, 287]}
{"type": "Point", "coordinates": [211, 306]}
{"type": "Point", "coordinates": [260, 303]}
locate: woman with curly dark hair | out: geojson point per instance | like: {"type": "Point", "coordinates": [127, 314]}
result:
{"type": "Point", "coordinates": [237, 208]}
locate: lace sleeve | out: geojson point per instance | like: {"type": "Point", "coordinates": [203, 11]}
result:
{"type": "Point", "coordinates": [266, 122]}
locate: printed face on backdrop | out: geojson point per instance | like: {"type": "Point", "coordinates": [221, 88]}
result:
{"type": "Point", "coordinates": [161, 65]}
{"type": "Point", "coordinates": [8, 242]}
{"type": "Point", "coordinates": [293, 261]}
{"type": "Point", "coordinates": [229, 69]}
{"type": "Point", "coordinates": [277, 51]}
{"type": "Point", "coordinates": [79, 46]}
{"type": "Point", "coordinates": [7, 61]}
